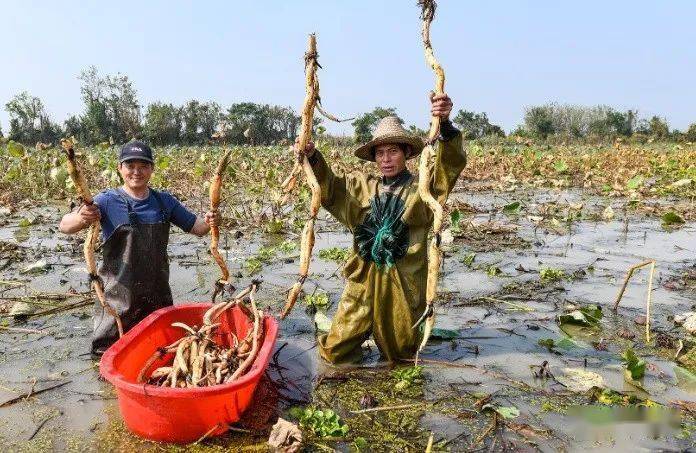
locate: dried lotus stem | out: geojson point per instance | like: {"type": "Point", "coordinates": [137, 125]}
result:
{"type": "Point", "coordinates": [216, 310]}
{"type": "Point", "coordinates": [254, 339]}
{"type": "Point", "coordinates": [83, 191]}
{"type": "Point", "coordinates": [425, 176]}
{"type": "Point", "coordinates": [197, 360]}
{"type": "Point", "coordinates": [310, 101]}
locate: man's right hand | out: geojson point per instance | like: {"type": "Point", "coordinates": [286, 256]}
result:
{"type": "Point", "coordinates": [309, 150]}
{"type": "Point", "coordinates": [89, 213]}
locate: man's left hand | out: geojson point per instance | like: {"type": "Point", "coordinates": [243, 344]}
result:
{"type": "Point", "coordinates": [212, 219]}
{"type": "Point", "coordinates": [441, 105]}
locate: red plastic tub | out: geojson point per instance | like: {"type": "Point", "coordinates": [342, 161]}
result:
{"type": "Point", "coordinates": [181, 415]}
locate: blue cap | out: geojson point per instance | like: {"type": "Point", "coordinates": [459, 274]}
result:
{"type": "Point", "coordinates": [135, 150]}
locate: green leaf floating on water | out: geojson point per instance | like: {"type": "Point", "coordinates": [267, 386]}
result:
{"type": "Point", "coordinates": [361, 444]}
{"type": "Point", "coordinates": [455, 218]}
{"type": "Point", "coordinates": [566, 343]}
{"type": "Point", "coordinates": [493, 270]}
{"type": "Point", "coordinates": [563, 343]}
{"type": "Point", "coordinates": [551, 274]}
{"type": "Point", "coordinates": [323, 423]}
{"type": "Point", "coordinates": [672, 218]}
{"type": "Point", "coordinates": [512, 208]}
{"type": "Point", "coordinates": [585, 316]}
{"type": "Point", "coordinates": [548, 343]}
{"type": "Point", "coordinates": [507, 412]}
{"type": "Point", "coordinates": [634, 182]}
{"type": "Point", "coordinates": [318, 299]}
{"type": "Point", "coordinates": [444, 334]}
{"type": "Point", "coordinates": [635, 366]}
{"type": "Point", "coordinates": [337, 254]}
{"type": "Point", "coordinates": [275, 226]}
{"type": "Point", "coordinates": [468, 260]}
{"type": "Point", "coordinates": [407, 376]}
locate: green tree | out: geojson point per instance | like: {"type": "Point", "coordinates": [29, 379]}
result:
{"type": "Point", "coordinates": [208, 120]}
{"type": "Point", "coordinates": [122, 104]}
{"type": "Point", "coordinates": [539, 121]}
{"type": "Point", "coordinates": [73, 126]}
{"type": "Point", "coordinates": [29, 122]}
{"type": "Point", "coordinates": [112, 111]}
{"type": "Point", "coordinates": [285, 124]}
{"type": "Point", "coordinates": [658, 127]}
{"type": "Point", "coordinates": [691, 133]}
{"type": "Point", "coordinates": [476, 125]}
{"type": "Point", "coordinates": [200, 120]}
{"type": "Point", "coordinates": [417, 130]}
{"type": "Point", "coordinates": [95, 125]}
{"type": "Point", "coordinates": [365, 124]}
{"type": "Point", "coordinates": [623, 123]}
{"type": "Point", "coordinates": [241, 117]}
{"type": "Point", "coordinates": [606, 122]}
{"type": "Point", "coordinates": [261, 124]}
{"type": "Point", "coordinates": [577, 122]}
{"type": "Point", "coordinates": [162, 124]}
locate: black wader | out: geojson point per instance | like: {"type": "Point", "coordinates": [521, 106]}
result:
{"type": "Point", "coordinates": [135, 272]}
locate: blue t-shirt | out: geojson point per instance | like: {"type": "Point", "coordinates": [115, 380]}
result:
{"type": "Point", "coordinates": [114, 210]}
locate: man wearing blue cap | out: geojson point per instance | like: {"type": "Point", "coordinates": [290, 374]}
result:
{"type": "Point", "coordinates": [135, 221]}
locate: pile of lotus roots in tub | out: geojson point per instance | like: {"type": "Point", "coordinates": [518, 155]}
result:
{"type": "Point", "coordinates": [197, 360]}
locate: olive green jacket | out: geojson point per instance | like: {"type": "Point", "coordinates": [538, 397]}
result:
{"type": "Point", "coordinates": [381, 299]}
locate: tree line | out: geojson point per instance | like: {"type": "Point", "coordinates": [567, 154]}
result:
{"type": "Point", "coordinates": [597, 122]}
{"type": "Point", "coordinates": [113, 114]}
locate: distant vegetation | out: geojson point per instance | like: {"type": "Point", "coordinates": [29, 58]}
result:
{"type": "Point", "coordinates": [112, 114]}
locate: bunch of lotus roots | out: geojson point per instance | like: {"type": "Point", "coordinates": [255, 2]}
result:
{"type": "Point", "coordinates": [197, 360]}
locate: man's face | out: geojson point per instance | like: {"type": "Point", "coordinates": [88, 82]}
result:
{"type": "Point", "coordinates": [390, 159]}
{"type": "Point", "coordinates": [136, 173]}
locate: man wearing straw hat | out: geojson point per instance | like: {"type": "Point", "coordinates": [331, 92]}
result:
{"type": "Point", "coordinates": [386, 273]}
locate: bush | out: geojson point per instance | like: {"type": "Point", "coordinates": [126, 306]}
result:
{"type": "Point", "coordinates": [476, 125]}
{"type": "Point", "coordinates": [365, 124]}
{"type": "Point", "coordinates": [691, 133]}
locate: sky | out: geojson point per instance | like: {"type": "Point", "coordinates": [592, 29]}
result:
{"type": "Point", "coordinates": [499, 56]}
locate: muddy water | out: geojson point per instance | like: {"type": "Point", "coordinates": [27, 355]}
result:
{"type": "Point", "coordinates": [493, 336]}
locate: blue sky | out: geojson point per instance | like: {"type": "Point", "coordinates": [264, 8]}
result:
{"type": "Point", "coordinates": [499, 56]}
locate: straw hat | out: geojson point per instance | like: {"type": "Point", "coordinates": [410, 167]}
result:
{"type": "Point", "coordinates": [390, 130]}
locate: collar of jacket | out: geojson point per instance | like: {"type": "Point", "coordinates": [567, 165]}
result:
{"type": "Point", "coordinates": [397, 180]}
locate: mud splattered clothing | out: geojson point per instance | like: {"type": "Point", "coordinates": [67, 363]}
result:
{"type": "Point", "coordinates": [386, 273]}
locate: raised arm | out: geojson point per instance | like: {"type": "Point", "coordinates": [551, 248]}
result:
{"type": "Point", "coordinates": [343, 195]}
{"type": "Point", "coordinates": [450, 157]}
